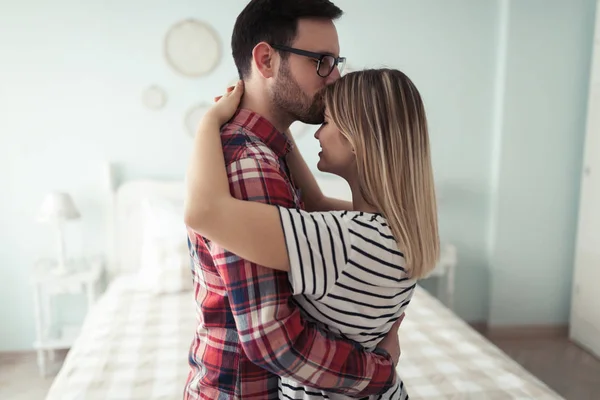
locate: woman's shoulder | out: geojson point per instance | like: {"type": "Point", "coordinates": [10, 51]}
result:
{"type": "Point", "coordinates": [368, 219]}
{"type": "Point", "coordinates": [373, 228]}
{"type": "Point", "coordinates": [373, 220]}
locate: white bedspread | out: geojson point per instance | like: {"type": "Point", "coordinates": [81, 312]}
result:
{"type": "Point", "coordinates": [135, 346]}
{"type": "Point", "coordinates": [132, 346]}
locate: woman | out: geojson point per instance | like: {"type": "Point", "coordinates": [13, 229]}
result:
{"type": "Point", "coordinates": [353, 271]}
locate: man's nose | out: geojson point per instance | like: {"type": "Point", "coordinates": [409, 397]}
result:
{"type": "Point", "coordinates": [333, 76]}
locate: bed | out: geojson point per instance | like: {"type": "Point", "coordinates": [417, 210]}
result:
{"type": "Point", "coordinates": [135, 339]}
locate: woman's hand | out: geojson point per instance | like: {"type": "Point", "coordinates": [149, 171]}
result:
{"type": "Point", "coordinates": [225, 106]}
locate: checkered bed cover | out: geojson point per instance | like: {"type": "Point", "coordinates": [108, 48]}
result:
{"type": "Point", "coordinates": [134, 345]}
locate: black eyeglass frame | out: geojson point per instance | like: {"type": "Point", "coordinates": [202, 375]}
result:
{"type": "Point", "coordinates": [317, 56]}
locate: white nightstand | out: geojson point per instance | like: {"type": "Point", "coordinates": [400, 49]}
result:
{"type": "Point", "coordinates": [83, 276]}
{"type": "Point", "coordinates": [445, 273]}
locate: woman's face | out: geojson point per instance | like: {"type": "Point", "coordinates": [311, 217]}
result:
{"type": "Point", "coordinates": [337, 155]}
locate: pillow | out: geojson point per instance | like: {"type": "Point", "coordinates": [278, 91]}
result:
{"type": "Point", "coordinates": [165, 260]}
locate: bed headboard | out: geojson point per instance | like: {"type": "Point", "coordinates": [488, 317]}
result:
{"type": "Point", "coordinates": [125, 217]}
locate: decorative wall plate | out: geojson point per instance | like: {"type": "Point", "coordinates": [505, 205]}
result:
{"type": "Point", "coordinates": [192, 48]}
{"type": "Point", "coordinates": [193, 117]}
{"type": "Point", "coordinates": [154, 97]}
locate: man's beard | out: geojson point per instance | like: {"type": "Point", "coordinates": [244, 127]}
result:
{"type": "Point", "coordinates": [288, 98]}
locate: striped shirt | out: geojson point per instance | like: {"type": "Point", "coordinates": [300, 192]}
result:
{"type": "Point", "coordinates": [347, 272]}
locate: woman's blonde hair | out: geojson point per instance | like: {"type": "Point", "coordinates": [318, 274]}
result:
{"type": "Point", "coordinates": [381, 113]}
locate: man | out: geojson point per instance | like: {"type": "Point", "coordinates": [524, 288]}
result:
{"type": "Point", "coordinates": [250, 330]}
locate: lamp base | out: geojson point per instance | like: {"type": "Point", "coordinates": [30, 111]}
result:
{"type": "Point", "coordinates": [61, 265]}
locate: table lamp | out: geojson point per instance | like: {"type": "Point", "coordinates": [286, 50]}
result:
{"type": "Point", "coordinates": [57, 208]}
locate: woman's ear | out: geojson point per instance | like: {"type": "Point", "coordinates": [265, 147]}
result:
{"type": "Point", "coordinates": [351, 144]}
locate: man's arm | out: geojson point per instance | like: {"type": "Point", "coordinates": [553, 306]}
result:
{"type": "Point", "coordinates": [313, 197]}
{"type": "Point", "coordinates": [272, 332]}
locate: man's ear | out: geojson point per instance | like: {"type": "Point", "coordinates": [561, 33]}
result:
{"type": "Point", "coordinates": [263, 57]}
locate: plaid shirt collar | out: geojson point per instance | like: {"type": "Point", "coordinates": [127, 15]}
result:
{"type": "Point", "coordinates": [264, 130]}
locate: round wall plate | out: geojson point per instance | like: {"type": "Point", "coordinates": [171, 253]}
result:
{"type": "Point", "coordinates": [154, 97]}
{"type": "Point", "coordinates": [192, 48]}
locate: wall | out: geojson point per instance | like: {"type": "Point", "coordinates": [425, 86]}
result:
{"type": "Point", "coordinates": [72, 75]}
{"type": "Point", "coordinates": [71, 79]}
{"type": "Point", "coordinates": [545, 65]}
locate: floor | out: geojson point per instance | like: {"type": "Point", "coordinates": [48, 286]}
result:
{"type": "Point", "coordinates": [20, 378]}
{"type": "Point", "coordinates": [565, 367]}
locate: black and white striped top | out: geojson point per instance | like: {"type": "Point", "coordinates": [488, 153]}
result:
{"type": "Point", "coordinates": [348, 274]}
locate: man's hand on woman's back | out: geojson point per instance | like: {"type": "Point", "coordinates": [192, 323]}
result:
{"type": "Point", "coordinates": [391, 341]}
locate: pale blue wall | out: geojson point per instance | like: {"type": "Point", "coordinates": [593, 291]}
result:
{"type": "Point", "coordinates": [539, 154]}
{"type": "Point", "coordinates": [71, 78]}
{"type": "Point", "coordinates": [72, 74]}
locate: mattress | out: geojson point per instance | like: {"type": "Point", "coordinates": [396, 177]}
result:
{"type": "Point", "coordinates": [134, 345]}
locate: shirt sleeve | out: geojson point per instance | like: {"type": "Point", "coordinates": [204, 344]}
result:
{"type": "Point", "coordinates": [318, 245]}
{"type": "Point", "coordinates": [272, 332]}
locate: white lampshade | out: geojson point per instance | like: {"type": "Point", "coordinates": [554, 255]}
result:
{"type": "Point", "coordinates": [57, 206]}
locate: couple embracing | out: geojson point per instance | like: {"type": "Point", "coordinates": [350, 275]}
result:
{"type": "Point", "coordinates": [299, 295]}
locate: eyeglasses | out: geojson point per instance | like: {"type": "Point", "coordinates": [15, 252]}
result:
{"type": "Point", "coordinates": [325, 62]}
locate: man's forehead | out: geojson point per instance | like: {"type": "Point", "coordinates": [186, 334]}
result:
{"type": "Point", "coordinates": [317, 35]}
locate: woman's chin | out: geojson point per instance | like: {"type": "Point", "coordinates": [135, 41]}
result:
{"type": "Point", "coordinates": [321, 165]}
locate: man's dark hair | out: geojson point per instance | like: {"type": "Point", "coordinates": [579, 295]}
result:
{"type": "Point", "coordinates": [274, 22]}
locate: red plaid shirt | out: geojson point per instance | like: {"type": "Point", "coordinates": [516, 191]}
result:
{"type": "Point", "coordinates": [250, 331]}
